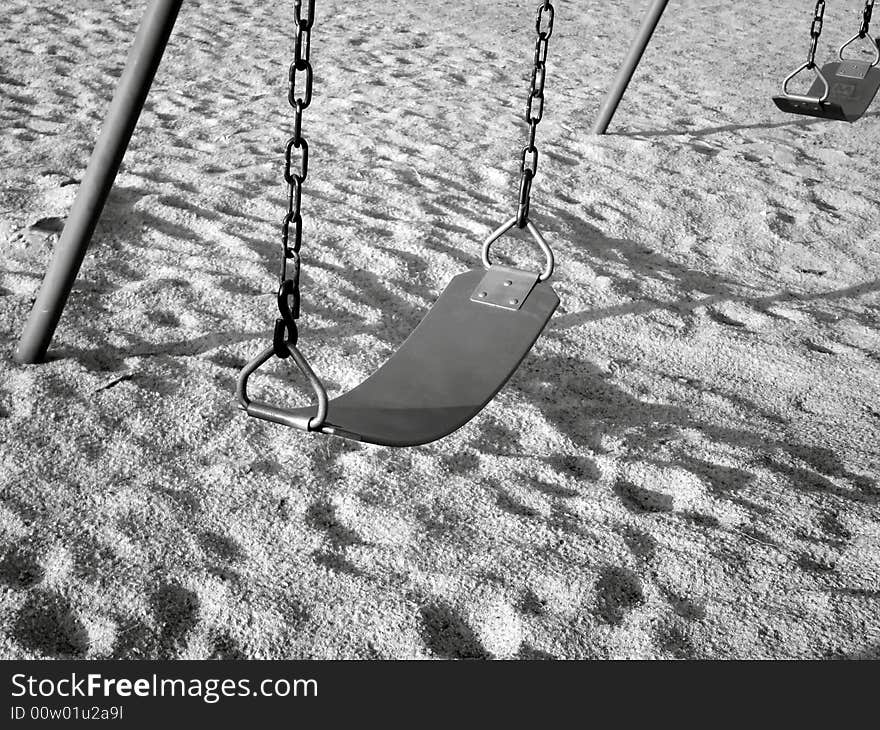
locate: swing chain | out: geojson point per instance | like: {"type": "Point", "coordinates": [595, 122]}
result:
{"type": "Point", "coordinates": [815, 32]}
{"type": "Point", "coordinates": [288, 297]}
{"type": "Point", "coordinates": [866, 18]}
{"type": "Point", "coordinates": [534, 109]}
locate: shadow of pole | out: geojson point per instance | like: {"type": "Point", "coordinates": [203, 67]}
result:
{"type": "Point", "coordinates": [577, 318]}
{"type": "Point", "coordinates": [806, 122]}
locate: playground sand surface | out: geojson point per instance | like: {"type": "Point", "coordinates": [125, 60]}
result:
{"type": "Point", "coordinates": [686, 465]}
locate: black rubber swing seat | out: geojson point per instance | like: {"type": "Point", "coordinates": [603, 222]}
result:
{"type": "Point", "coordinates": [852, 86]}
{"type": "Point", "coordinates": [459, 356]}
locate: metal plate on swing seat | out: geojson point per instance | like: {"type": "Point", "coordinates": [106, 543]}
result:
{"type": "Point", "coordinates": [853, 69]}
{"type": "Point", "coordinates": [852, 87]}
{"type": "Point", "coordinates": [504, 287]}
{"type": "Point", "coordinates": [454, 362]}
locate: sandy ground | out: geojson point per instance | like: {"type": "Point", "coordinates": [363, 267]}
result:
{"type": "Point", "coordinates": [685, 466]}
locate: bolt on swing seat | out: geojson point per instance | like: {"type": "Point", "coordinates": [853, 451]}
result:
{"type": "Point", "coordinates": [842, 90]}
{"type": "Point", "coordinates": [455, 361]}
{"type": "Point", "coordinates": [468, 344]}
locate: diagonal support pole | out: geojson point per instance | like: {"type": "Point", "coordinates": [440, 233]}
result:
{"type": "Point", "coordinates": [131, 92]}
{"type": "Point", "coordinates": [628, 68]}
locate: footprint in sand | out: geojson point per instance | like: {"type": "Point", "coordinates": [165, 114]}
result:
{"type": "Point", "coordinates": [322, 516]}
{"type": "Point", "coordinates": [461, 462]}
{"type": "Point", "coordinates": [440, 518]}
{"type": "Point", "coordinates": [816, 562]}
{"type": "Point", "coordinates": [552, 490]}
{"type": "Point", "coordinates": [34, 241]}
{"type": "Point", "coordinates": [226, 648]}
{"type": "Point", "coordinates": [48, 625]}
{"type": "Point", "coordinates": [831, 526]}
{"type": "Point", "coordinates": [483, 625]}
{"type": "Point", "coordinates": [222, 551]}
{"type": "Point", "coordinates": [684, 606]}
{"type": "Point", "coordinates": [509, 504]}
{"type": "Point", "coordinates": [722, 318]}
{"type": "Point", "coordinates": [20, 570]}
{"type": "Point", "coordinates": [530, 653]}
{"type": "Point", "coordinates": [640, 499]}
{"type": "Point", "coordinates": [780, 222]}
{"type": "Point", "coordinates": [816, 347]}
{"type": "Point", "coordinates": [336, 563]}
{"type": "Point", "coordinates": [700, 519]}
{"type": "Point", "coordinates": [580, 468]}
{"type": "Point", "coordinates": [163, 318]}
{"type": "Point", "coordinates": [176, 613]}
{"type": "Point", "coordinates": [448, 635]}
{"type": "Point", "coordinates": [640, 544]}
{"type": "Point", "coordinates": [497, 438]}
{"type": "Point", "coordinates": [618, 591]}
{"type": "Point", "coordinates": [674, 639]}
{"type": "Point", "coordinates": [826, 207]}
{"type": "Point", "coordinates": [531, 604]}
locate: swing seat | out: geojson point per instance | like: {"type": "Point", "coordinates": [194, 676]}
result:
{"type": "Point", "coordinates": [454, 362]}
{"type": "Point", "coordinates": [852, 86]}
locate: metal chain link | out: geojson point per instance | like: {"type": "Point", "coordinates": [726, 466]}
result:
{"type": "Point", "coordinates": [866, 18]}
{"type": "Point", "coordinates": [286, 332]}
{"type": "Point", "coordinates": [535, 109]}
{"type": "Point", "coordinates": [815, 32]}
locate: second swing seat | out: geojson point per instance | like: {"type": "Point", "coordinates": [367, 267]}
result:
{"type": "Point", "coordinates": [852, 86]}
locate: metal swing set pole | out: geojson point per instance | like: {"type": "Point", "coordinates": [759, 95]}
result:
{"type": "Point", "coordinates": [128, 101]}
{"type": "Point", "coordinates": [630, 63]}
